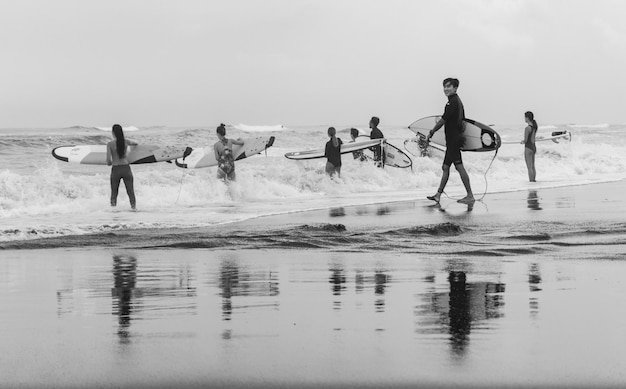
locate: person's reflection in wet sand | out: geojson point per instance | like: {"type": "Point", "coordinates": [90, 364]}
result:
{"type": "Point", "coordinates": [338, 280]}
{"type": "Point", "coordinates": [534, 285]}
{"type": "Point", "coordinates": [125, 279]}
{"type": "Point", "coordinates": [455, 311]}
{"type": "Point", "coordinates": [229, 280]}
{"type": "Point", "coordinates": [381, 280]}
{"type": "Point", "coordinates": [459, 312]}
{"type": "Point", "coordinates": [533, 200]}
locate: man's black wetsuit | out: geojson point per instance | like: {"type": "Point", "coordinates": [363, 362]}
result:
{"type": "Point", "coordinates": [453, 115]}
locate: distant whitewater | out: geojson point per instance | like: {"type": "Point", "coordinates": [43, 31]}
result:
{"type": "Point", "coordinates": [257, 128]}
{"type": "Point", "coordinates": [43, 197]}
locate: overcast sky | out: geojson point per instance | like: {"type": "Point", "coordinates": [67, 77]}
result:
{"type": "Point", "coordinates": [336, 62]}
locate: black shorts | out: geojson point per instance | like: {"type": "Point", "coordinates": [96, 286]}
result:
{"type": "Point", "coordinates": [453, 155]}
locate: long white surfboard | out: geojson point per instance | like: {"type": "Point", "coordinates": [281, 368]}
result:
{"type": "Point", "coordinates": [126, 128]}
{"type": "Point", "coordinates": [97, 154]}
{"type": "Point", "coordinates": [345, 148]}
{"type": "Point", "coordinates": [205, 156]}
{"type": "Point", "coordinates": [477, 136]}
{"type": "Point", "coordinates": [556, 137]}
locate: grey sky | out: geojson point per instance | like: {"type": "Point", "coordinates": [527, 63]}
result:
{"type": "Point", "coordinates": [336, 62]}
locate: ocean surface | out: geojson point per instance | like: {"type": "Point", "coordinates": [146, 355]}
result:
{"type": "Point", "coordinates": [41, 197]}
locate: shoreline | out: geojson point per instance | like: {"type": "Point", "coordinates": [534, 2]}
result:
{"type": "Point", "coordinates": [593, 203]}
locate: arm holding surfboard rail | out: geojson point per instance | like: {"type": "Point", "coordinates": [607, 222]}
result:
{"type": "Point", "coordinates": [439, 124]}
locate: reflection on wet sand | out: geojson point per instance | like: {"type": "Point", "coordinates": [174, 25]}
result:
{"type": "Point", "coordinates": [161, 290]}
{"type": "Point", "coordinates": [124, 282]}
{"type": "Point", "coordinates": [237, 281]}
{"type": "Point", "coordinates": [337, 212]}
{"type": "Point", "coordinates": [534, 285]}
{"type": "Point", "coordinates": [456, 310]}
{"type": "Point", "coordinates": [533, 200]}
{"type": "Point", "coordinates": [379, 282]}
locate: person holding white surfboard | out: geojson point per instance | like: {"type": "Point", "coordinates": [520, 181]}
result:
{"type": "Point", "coordinates": [120, 167]}
{"type": "Point", "coordinates": [224, 154]}
{"type": "Point", "coordinates": [452, 118]}
{"type": "Point", "coordinates": [376, 133]}
{"type": "Point", "coordinates": [530, 149]}
{"type": "Point", "coordinates": [333, 153]}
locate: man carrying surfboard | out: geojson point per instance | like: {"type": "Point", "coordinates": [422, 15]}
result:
{"type": "Point", "coordinates": [452, 118]}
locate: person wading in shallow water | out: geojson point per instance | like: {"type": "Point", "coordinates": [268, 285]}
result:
{"type": "Point", "coordinates": [333, 153]}
{"type": "Point", "coordinates": [529, 145]}
{"type": "Point", "coordinates": [224, 154]}
{"type": "Point", "coordinates": [452, 118]}
{"type": "Point", "coordinates": [120, 167]}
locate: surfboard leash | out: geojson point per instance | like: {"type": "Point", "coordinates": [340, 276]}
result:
{"type": "Point", "coordinates": [485, 178]}
{"type": "Point", "coordinates": [180, 188]}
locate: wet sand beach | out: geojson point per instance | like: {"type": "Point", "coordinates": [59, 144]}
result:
{"type": "Point", "coordinates": [523, 290]}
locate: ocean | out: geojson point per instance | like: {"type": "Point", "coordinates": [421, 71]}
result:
{"type": "Point", "coordinates": [41, 197]}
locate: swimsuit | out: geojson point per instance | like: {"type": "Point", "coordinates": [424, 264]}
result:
{"type": "Point", "coordinates": [333, 153]}
{"type": "Point", "coordinates": [529, 144]}
{"type": "Point", "coordinates": [226, 160]}
{"type": "Point", "coordinates": [453, 115]}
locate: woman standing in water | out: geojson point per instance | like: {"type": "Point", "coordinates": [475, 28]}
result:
{"type": "Point", "coordinates": [120, 170]}
{"type": "Point", "coordinates": [333, 153]}
{"type": "Point", "coordinates": [224, 154]}
{"type": "Point", "coordinates": [529, 144]}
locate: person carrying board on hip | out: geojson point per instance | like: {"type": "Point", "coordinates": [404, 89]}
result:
{"type": "Point", "coordinates": [452, 118]}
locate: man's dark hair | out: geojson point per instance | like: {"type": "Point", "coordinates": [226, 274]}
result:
{"type": "Point", "coordinates": [453, 81]}
{"type": "Point", "coordinates": [375, 120]}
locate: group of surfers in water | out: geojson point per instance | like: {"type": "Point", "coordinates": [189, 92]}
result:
{"type": "Point", "coordinates": [452, 121]}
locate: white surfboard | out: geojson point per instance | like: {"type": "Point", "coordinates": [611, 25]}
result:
{"type": "Point", "coordinates": [394, 157]}
{"type": "Point", "coordinates": [126, 129]}
{"type": "Point", "coordinates": [477, 136]}
{"type": "Point", "coordinates": [556, 137]}
{"type": "Point", "coordinates": [97, 154]}
{"type": "Point", "coordinates": [345, 148]}
{"type": "Point", "coordinates": [205, 156]}
{"type": "Point", "coordinates": [418, 147]}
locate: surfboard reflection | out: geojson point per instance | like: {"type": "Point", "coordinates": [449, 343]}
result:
{"type": "Point", "coordinates": [458, 310]}
{"type": "Point", "coordinates": [161, 293]}
{"type": "Point", "coordinates": [237, 282]}
{"type": "Point", "coordinates": [379, 282]}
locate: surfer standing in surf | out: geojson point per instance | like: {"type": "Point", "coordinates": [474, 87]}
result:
{"type": "Point", "coordinates": [530, 148]}
{"type": "Point", "coordinates": [224, 154]}
{"type": "Point", "coordinates": [333, 153]}
{"type": "Point", "coordinates": [452, 118]}
{"type": "Point", "coordinates": [120, 167]}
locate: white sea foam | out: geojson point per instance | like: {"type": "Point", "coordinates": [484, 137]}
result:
{"type": "Point", "coordinates": [589, 126]}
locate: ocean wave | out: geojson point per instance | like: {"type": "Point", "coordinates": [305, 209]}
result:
{"type": "Point", "coordinates": [445, 229]}
{"type": "Point", "coordinates": [259, 128]}
{"type": "Point", "coordinates": [596, 126]}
